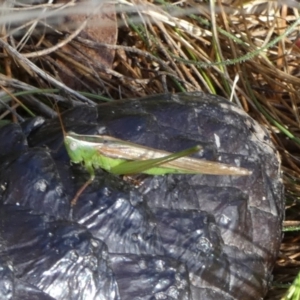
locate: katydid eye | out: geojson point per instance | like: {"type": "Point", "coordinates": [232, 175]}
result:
{"type": "Point", "coordinates": [73, 146]}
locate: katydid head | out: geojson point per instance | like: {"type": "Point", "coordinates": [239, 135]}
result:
{"type": "Point", "coordinates": [78, 150]}
{"type": "Point", "coordinates": [73, 148]}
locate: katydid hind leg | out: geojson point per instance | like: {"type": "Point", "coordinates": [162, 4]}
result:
{"type": "Point", "coordinates": [135, 167]}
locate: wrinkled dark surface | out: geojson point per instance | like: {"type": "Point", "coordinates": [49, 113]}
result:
{"type": "Point", "coordinates": [173, 237]}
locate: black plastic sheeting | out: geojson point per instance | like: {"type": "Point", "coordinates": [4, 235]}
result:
{"type": "Point", "coordinates": [172, 237]}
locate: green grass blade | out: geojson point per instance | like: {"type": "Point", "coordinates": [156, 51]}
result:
{"type": "Point", "coordinates": [293, 292]}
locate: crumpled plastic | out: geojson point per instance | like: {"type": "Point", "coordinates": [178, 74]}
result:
{"type": "Point", "coordinates": [171, 237]}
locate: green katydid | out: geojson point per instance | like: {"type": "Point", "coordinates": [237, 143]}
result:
{"type": "Point", "coordinates": [125, 158]}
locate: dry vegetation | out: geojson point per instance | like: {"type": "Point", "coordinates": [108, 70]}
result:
{"type": "Point", "coordinates": [248, 51]}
